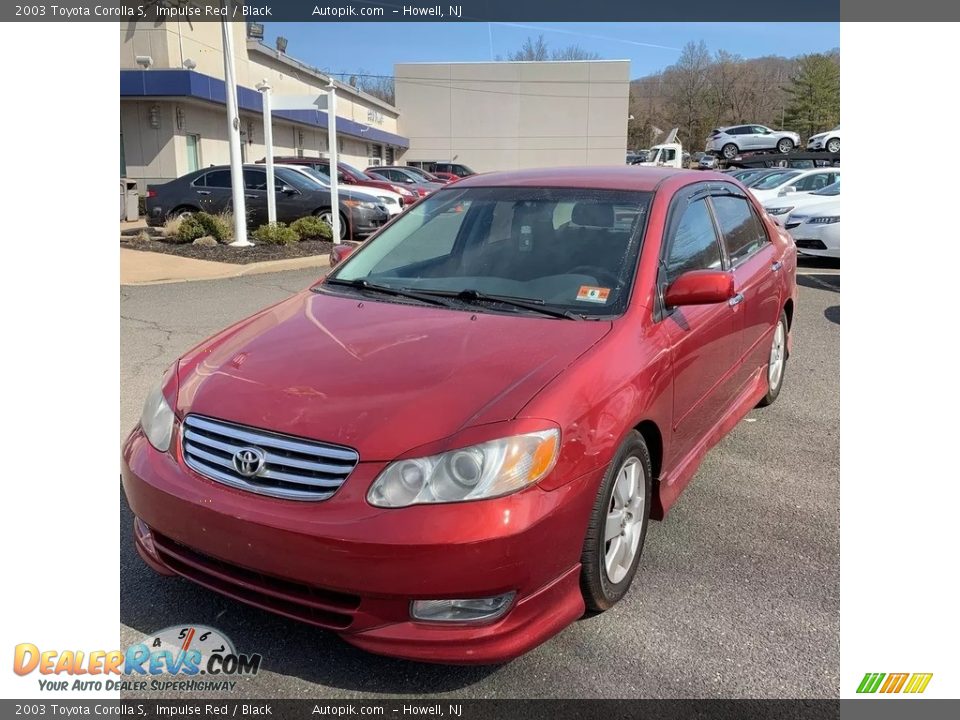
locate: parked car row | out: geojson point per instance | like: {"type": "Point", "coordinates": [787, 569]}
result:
{"type": "Point", "coordinates": [211, 190]}
{"type": "Point", "coordinates": [806, 203]}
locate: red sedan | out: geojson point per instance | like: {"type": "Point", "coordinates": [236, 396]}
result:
{"type": "Point", "coordinates": [451, 447]}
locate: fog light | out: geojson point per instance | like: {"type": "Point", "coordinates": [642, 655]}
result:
{"type": "Point", "coordinates": [144, 535]}
{"type": "Point", "coordinates": [463, 611]}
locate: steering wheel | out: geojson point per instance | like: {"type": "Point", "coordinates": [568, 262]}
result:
{"type": "Point", "coordinates": [599, 273]}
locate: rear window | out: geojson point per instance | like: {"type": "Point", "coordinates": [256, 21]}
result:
{"type": "Point", "coordinates": [742, 232]}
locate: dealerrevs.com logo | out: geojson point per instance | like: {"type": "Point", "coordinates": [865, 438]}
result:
{"type": "Point", "coordinates": [180, 658]}
{"type": "Point", "coordinates": [909, 683]}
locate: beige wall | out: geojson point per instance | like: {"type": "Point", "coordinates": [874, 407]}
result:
{"type": "Point", "coordinates": [160, 154]}
{"type": "Point", "coordinates": [510, 115]}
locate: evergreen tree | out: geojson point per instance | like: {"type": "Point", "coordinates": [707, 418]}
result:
{"type": "Point", "coordinates": [813, 96]}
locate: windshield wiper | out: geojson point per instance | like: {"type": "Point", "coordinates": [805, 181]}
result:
{"type": "Point", "coordinates": [362, 284]}
{"type": "Point", "coordinates": [475, 296]}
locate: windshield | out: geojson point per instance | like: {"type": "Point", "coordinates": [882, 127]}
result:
{"type": "Point", "coordinates": [774, 180]}
{"type": "Point", "coordinates": [353, 171]}
{"type": "Point", "coordinates": [833, 189]}
{"type": "Point", "coordinates": [570, 249]}
{"type": "Point", "coordinates": [317, 175]}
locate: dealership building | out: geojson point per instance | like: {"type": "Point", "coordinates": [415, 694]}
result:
{"type": "Point", "coordinates": [491, 116]}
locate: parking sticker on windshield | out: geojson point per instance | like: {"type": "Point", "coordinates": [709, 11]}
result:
{"type": "Point", "coordinates": [589, 293]}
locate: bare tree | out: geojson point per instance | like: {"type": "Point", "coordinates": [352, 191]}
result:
{"type": "Point", "coordinates": [531, 50]}
{"type": "Point", "coordinates": [574, 52]}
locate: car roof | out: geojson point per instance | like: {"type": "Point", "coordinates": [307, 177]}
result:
{"type": "Point", "coordinates": [617, 177]}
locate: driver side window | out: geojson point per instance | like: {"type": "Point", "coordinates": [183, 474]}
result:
{"type": "Point", "coordinates": [694, 244]}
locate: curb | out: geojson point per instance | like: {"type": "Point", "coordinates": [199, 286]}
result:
{"type": "Point", "coordinates": [233, 270]}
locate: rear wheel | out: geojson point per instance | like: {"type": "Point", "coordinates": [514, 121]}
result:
{"type": "Point", "coordinates": [833, 145]}
{"type": "Point", "coordinates": [618, 526]}
{"type": "Point", "coordinates": [777, 363]}
{"type": "Point", "coordinates": [326, 215]}
{"type": "Point", "coordinates": [785, 145]}
{"type": "Point", "coordinates": [182, 212]}
{"type": "Point", "coordinates": [729, 151]}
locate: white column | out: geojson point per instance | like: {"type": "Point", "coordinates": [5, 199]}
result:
{"type": "Point", "coordinates": [233, 133]}
{"type": "Point", "coordinates": [264, 88]}
{"type": "Point", "coordinates": [334, 159]}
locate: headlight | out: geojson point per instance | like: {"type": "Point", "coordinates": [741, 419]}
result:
{"type": "Point", "coordinates": [157, 419]}
{"type": "Point", "coordinates": [780, 210]}
{"type": "Point", "coordinates": [387, 200]}
{"type": "Point", "coordinates": [360, 204]}
{"type": "Point", "coordinates": [487, 470]}
{"type": "Point", "coordinates": [824, 220]}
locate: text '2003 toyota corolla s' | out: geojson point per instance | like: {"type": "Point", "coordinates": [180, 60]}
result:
{"type": "Point", "coordinates": [451, 447]}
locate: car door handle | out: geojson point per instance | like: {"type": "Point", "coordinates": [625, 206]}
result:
{"type": "Point", "coordinates": [735, 300]}
{"type": "Point", "coordinates": [250, 197]}
{"type": "Point", "coordinates": [203, 192]}
{"type": "Point", "coordinates": [776, 266]}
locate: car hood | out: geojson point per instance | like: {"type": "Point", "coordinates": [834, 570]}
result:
{"type": "Point", "coordinates": [380, 377]}
{"type": "Point", "coordinates": [831, 207]}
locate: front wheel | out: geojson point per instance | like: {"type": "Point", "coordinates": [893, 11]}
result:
{"type": "Point", "coordinates": [833, 145]}
{"type": "Point", "coordinates": [777, 363]}
{"type": "Point", "coordinates": [327, 217]}
{"type": "Point", "coordinates": [785, 145]}
{"type": "Point", "coordinates": [618, 526]}
{"type": "Point", "coordinates": [729, 151]}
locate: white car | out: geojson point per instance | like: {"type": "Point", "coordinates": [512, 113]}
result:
{"type": "Point", "coordinates": [780, 207]}
{"type": "Point", "coordinates": [790, 182]}
{"type": "Point", "coordinates": [829, 141]}
{"type": "Point", "coordinates": [389, 199]}
{"type": "Point", "coordinates": [731, 141]}
{"type": "Point", "coordinates": [816, 229]}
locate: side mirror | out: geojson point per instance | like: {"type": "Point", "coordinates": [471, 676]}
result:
{"type": "Point", "coordinates": [700, 287]}
{"type": "Point", "coordinates": [788, 191]}
{"type": "Point", "coordinates": [288, 190]}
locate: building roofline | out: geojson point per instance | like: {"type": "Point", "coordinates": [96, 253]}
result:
{"type": "Point", "coordinates": [259, 47]}
{"type": "Point", "coordinates": [172, 84]}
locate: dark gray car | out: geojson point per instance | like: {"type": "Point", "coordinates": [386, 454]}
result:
{"type": "Point", "coordinates": [404, 178]}
{"type": "Point", "coordinates": [209, 190]}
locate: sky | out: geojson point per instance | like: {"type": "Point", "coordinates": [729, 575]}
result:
{"type": "Point", "coordinates": [373, 48]}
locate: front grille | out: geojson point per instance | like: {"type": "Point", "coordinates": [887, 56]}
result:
{"type": "Point", "coordinates": [318, 606]}
{"type": "Point", "coordinates": [292, 468]}
{"type": "Point", "coordinates": [811, 244]}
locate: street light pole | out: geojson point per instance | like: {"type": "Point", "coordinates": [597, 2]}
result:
{"type": "Point", "coordinates": [264, 88]}
{"type": "Point", "coordinates": [233, 133]}
{"type": "Point", "coordinates": [334, 162]}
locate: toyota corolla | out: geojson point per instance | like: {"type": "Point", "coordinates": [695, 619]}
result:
{"type": "Point", "coordinates": [452, 446]}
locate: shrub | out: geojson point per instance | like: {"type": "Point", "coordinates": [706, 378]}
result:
{"type": "Point", "coordinates": [311, 228]}
{"type": "Point", "coordinates": [275, 234]}
{"type": "Point", "coordinates": [189, 229]}
{"type": "Point", "coordinates": [219, 226]}
{"type": "Point", "coordinates": [170, 227]}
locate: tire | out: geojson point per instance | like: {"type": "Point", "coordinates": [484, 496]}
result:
{"type": "Point", "coordinates": [600, 590]}
{"type": "Point", "coordinates": [833, 145]}
{"type": "Point", "coordinates": [181, 212]}
{"type": "Point", "coordinates": [784, 145]}
{"type": "Point", "coordinates": [729, 151]}
{"type": "Point", "coordinates": [775, 378]}
{"type": "Point", "coordinates": [325, 215]}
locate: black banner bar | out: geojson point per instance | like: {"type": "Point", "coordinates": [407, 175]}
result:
{"type": "Point", "coordinates": [428, 11]}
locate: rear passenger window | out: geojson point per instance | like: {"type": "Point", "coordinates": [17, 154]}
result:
{"type": "Point", "coordinates": [218, 179]}
{"type": "Point", "coordinates": [742, 232]}
{"type": "Point", "coordinates": [694, 244]}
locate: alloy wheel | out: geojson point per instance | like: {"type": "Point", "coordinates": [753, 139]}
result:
{"type": "Point", "coordinates": [624, 521]}
{"type": "Point", "coordinates": [777, 357]}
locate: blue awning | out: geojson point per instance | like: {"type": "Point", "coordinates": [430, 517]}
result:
{"type": "Point", "coordinates": [191, 84]}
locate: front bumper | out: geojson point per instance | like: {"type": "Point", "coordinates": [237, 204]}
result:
{"type": "Point", "coordinates": [816, 143]}
{"type": "Point", "coordinates": [354, 569]}
{"type": "Point", "coordinates": [364, 221]}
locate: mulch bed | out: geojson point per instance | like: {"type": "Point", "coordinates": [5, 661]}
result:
{"type": "Point", "coordinates": [227, 254]}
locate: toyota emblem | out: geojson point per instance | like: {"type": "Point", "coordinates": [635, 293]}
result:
{"type": "Point", "coordinates": [249, 461]}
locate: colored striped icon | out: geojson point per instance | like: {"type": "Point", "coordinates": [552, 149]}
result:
{"type": "Point", "coordinates": [894, 682]}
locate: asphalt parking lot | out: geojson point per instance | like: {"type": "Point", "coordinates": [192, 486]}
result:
{"type": "Point", "coordinates": [738, 592]}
